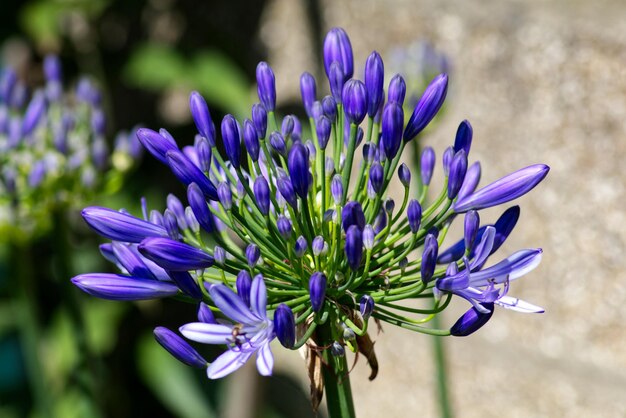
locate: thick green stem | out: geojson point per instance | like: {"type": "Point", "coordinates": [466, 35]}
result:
{"type": "Point", "coordinates": [442, 372]}
{"type": "Point", "coordinates": [336, 377]}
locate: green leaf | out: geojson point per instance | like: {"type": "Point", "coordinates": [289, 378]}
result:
{"type": "Point", "coordinates": [155, 67]}
{"type": "Point", "coordinates": [172, 382]}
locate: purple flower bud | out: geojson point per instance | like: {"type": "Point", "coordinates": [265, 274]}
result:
{"type": "Point", "coordinates": [317, 111]}
{"type": "Point", "coordinates": [405, 175]}
{"type": "Point", "coordinates": [187, 172]}
{"type": "Point", "coordinates": [37, 174]}
{"type": "Point", "coordinates": [377, 177]}
{"type": "Point", "coordinates": [448, 156]}
{"type": "Point", "coordinates": [33, 114]}
{"type": "Point", "coordinates": [429, 258]}
{"type": "Point", "coordinates": [504, 226]}
{"type": "Point", "coordinates": [186, 283]}
{"type": "Point", "coordinates": [204, 154]}
{"type": "Point", "coordinates": [301, 246]}
{"type": "Point", "coordinates": [284, 227]}
{"type": "Point", "coordinates": [336, 188]}
{"type": "Point", "coordinates": [156, 217]}
{"type": "Point", "coordinates": [389, 205]}
{"type": "Point", "coordinates": [354, 98]}
{"type": "Point", "coordinates": [231, 135]}
{"type": "Point", "coordinates": [352, 214]}
{"type": "Point", "coordinates": [244, 284]}
{"type": "Point", "coordinates": [174, 255]}
{"type": "Point", "coordinates": [251, 139]}
{"type": "Point", "coordinates": [337, 350]}
{"type": "Point", "coordinates": [278, 143]}
{"type": "Point", "coordinates": [259, 119]}
{"type": "Point", "coordinates": [123, 288]}
{"type": "Point", "coordinates": [414, 215]}
{"type": "Point", "coordinates": [171, 224]}
{"type": "Point", "coordinates": [463, 140]}
{"type": "Point", "coordinates": [471, 321]}
{"type": "Point", "coordinates": [100, 153]}
{"type": "Point", "coordinates": [472, 223]}
{"type": "Point", "coordinates": [368, 237]}
{"type": "Point", "coordinates": [472, 178]}
{"type": "Point", "coordinates": [285, 325]}
{"type": "Point", "coordinates": [329, 106]}
{"type": "Point", "coordinates": [174, 205]}
{"type": "Point", "coordinates": [52, 68]}
{"type": "Point", "coordinates": [310, 149]}
{"type": "Point", "coordinates": [98, 122]}
{"type": "Point", "coordinates": [266, 86]}
{"type": "Point", "coordinates": [330, 166]}
{"type": "Point", "coordinates": [366, 306]}
{"type": "Point", "coordinates": [322, 128]}
{"type": "Point", "coordinates": [308, 91]}
{"type": "Point", "coordinates": [337, 48]}
{"type": "Point", "coordinates": [179, 348]}
{"type": "Point", "coordinates": [202, 117]}
{"type": "Point", "coordinates": [380, 222]}
{"type": "Point", "coordinates": [285, 187]}
{"type": "Point", "coordinates": [119, 226]}
{"type": "Point", "coordinates": [369, 151]}
{"type": "Point", "coordinates": [205, 314]}
{"type": "Point", "coordinates": [318, 245]}
{"type": "Point", "coordinates": [7, 84]}
{"type": "Point", "coordinates": [157, 144]}
{"type": "Point", "coordinates": [504, 190]}
{"type": "Point", "coordinates": [427, 107]}
{"type": "Point", "coordinates": [262, 194]}
{"type": "Point", "coordinates": [288, 125]}
{"type": "Point", "coordinates": [458, 168]}
{"type": "Point", "coordinates": [219, 255]}
{"type": "Point", "coordinates": [392, 124]}
{"type": "Point", "coordinates": [354, 247]}
{"type": "Point", "coordinates": [298, 165]}
{"type": "Point", "coordinates": [253, 253]}
{"type": "Point", "coordinates": [336, 79]}
{"type": "Point", "coordinates": [374, 78]}
{"type": "Point", "coordinates": [225, 196]}
{"type": "Point", "coordinates": [397, 90]}
{"type": "Point", "coordinates": [317, 290]}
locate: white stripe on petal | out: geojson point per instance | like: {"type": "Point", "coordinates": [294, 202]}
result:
{"type": "Point", "coordinates": [518, 305]}
{"type": "Point", "coordinates": [258, 297]}
{"type": "Point", "coordinates": [231, 305]}
{"type": "Point", "coordinates": [265, 360]}
{"type": "Point", "coordinates": [227, 363]}
{"type": "Point", "coordinates": [207, 333]}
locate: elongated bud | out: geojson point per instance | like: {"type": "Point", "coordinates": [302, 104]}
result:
{"type": "Point", "coordinates": [284, 227]}
{"type": "Point", "coordinates": [253, 253]}
{"type": "Point", "coordinates": [463, 140]}
{"type": "Point", "coordinates": [298, 165]}
{"type": "Point", "coordinates": [308, 90]}
{"type": "Point", "coordinates": [301, 246]}
{"type": "Point", "coordinates": [352, 214]}
{"type": "Point", "coordinates": [174, 255]}
{"type": "Point", "coordinates": [337, 350]}
{"type": "Point", "coordinates": [231, 135]}
{"type": "Point", "coordinates": [259, 119]}
{"type": "Point", "coordinates": [52, 68]}
{"type": "Point", "coordinates": [262, 194]}
{"type": "Point", "coordinates": [397, 90]}
{"type": "Point", "coordinates": [174, 204]}
{"type": "Point", "coordinates": [251, 139]}
{"type": "Point", "coordinates": [354, 98]}
{"type": "Point", "coordinates": [285, 325]}
{"type": "Point", "coordinates": [225, 196]}
{"type": "Point", "coordinates": [33, 114]}
{"type": "Point", "coordinates": [354, 247]}
{"type": "Point", "coordinates": [389, 205]}
{"type": "Point", "coordinates": [377, 177]}
{"type": "Point", "coordinates": [414, 215]}
{"type": "Point", "coordinates": [336, 79]}
{"type": "Point", "coordinates": [427, 107]}
{"type": "Point", "coordinates": [205, 314]}
{"type": "Point", "coordinates": [322, 128]}
{"type": "Point", "coordinates": [336, 189]}
{"type": "Point", "coordinates": [219, 255]}
{"type": "Point", "coordinates": [118, 226]}
{"type": "Point", "coordinates": [392, 124]}
{"type": "Point", "coordinates": [329, 106]}
{"type": "Point", "coordinates": [202, 117]}
{"type": "Point", "coordinates": [368, 237]}
{"type": "Point", "coordinates": [158, 145]}
{"type": "Point", "coordinates": [277, 141]}
{"type": "Point", "coordinates": [203, 151]}
{"type": "Point", "coordinates": [266, 86]}
{"type": "Point", "coordinates": [243, 285]}
{"type": "Point", "coordinates": [429, 258]}
{"type": "Point", "coordinates": [317, 247]}
{"type": "Point", "coordinates": [471, 180]}
{"type": "Point", "coordinates": [119, 287]}
{"type": "Point", "coordinates": [374, 78]}
{"type": "Point", "coordinates": [471, 321]}
{"type": "Point", "coordinates": [288, 125]}
{"type": "Point", "coordinates": [337, 48]}
{"type": "Point", "coordinates": [504, 190]}
{"type": "Point", "coordinates": [285, 187]}
{"type": "Point", "coordinates": [187, 172]}
{"type": "Point", "coordinates": [472, 223]}
{"type": "Point", "coordinates": [317, 290]}
{"type": "Point", "coordinates": [179, 348]}
{"type": "Point", "coordinates": [458, 168]}
{"type": "Point", "coordinates": [448, 156]}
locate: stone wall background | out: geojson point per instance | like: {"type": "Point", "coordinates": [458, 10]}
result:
{"type": "Point", "coordinates": [541, 81]}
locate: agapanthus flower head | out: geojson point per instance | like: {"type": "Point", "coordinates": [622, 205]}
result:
{"type": "Point", "coordinates": [53, 151]}
{"type": "Point", "coordinates": [302, 240]}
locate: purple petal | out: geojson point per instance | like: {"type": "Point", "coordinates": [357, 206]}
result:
{"type": "Point", "coordinates": [483, 249]}
{"type": "Point", "coordinates": [265, 360]}
{"type": "Point", "coordinates": [512, 267]}
{"type": "Point", "coordinates": [258, 297]}
{"type": "Point", "coordinates": [231, 305]}
{"type": "Point", "coordinates": [227, 363]}
{"type": "Point", "coordinates": [120, 226]}
{"type": "Point", "coordinates": [207, 333]}
{"type": "Point", "coordinates": [119, 287]}
{"type": "Point", "coordinates": [174, 255]}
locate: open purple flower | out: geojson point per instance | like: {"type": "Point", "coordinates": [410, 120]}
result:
{"type": "Point", "coordinates": [247, 331]}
